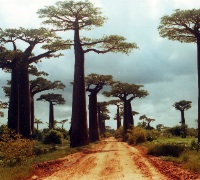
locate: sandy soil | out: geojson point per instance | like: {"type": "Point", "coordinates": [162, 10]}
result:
{"type": "Point", "coordinates": [111, 160]}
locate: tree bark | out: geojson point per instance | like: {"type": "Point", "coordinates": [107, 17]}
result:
{"type": "Point", "coordinates": [13, 111]}
{"type": "Point", "coordinates": [125, 123]}
{"type": "Point", "coordinates": [79, 132]}
{"type": "Point", "coordinates": [118, 118]}
{"type": "Point", "coordinates": [130, 114]}
{"type": "Point", "coordinates": [51, 116]}
{"type": "Point", "coordinates": [183, 124]}
{"type": "Point", "coordinates": [24, 106]}
{"type": "Point", "coordinates": [198, 71]}
{"type": "Point", "coordinates": [99, 119]}
{"type": "Point", "coordinates": [93, 124]}
{"type": "Point", "coordinates": [32, 112]}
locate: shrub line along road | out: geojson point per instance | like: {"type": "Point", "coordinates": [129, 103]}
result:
{"type": "Point", "coordinates": [110, 160]}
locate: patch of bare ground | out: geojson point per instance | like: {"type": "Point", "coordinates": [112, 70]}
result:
{"type": "Point", "coordinates": [110, 160]}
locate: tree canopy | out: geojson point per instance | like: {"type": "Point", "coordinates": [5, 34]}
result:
{"type": "Point", "coordinates": [182, 25]}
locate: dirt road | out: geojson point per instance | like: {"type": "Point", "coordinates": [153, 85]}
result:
{"type": "Point", "coordinates": [111, 160]}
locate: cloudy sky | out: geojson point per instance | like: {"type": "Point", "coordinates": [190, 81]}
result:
{"type": "Point", "coordinates": [167, 69]}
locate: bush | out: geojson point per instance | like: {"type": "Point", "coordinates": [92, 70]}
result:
{"type": "Point", "coordinates": [152, 135]}
{"type": "Point", "coordinates": [119, 133]}
{"type": "Point", "coordinates": [53, 137]}
{"type": "Point", "coordinates": [13, 148]}
{"type": "Point", "coordinates": [166, 150]}
{"type": "Point", "coordinates": [136, 135]}
{"type": "Point", "coordinates": [37, 134]}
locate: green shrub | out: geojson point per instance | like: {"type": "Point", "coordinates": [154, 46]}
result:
{"type": "Point", "coordinates": [37, 134]}
{"type": "Point", "coordinates": [195, 145]}
{"type": "Point", "coordinates": [152, 135]}
{"type": "Point", "coordinates": [52, 137]}
{"type": "Point", "coordinates": [166, 150]}
{"type": "Point", "coordinates": [136, 135]}
{"type": "Point", "coordinates": [13, 148]}
{"type": "Point", "coordinates": [119, 133]}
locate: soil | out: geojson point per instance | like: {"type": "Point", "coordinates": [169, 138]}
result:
{"type": "Point", "coordinates": [111, 160]}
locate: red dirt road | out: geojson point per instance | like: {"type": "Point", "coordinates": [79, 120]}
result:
{"type": "Point", "coordinates": [111, 160]}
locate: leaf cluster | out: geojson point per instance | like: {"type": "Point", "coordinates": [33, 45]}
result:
{"type": "Point", "coordinates": [182, 25]}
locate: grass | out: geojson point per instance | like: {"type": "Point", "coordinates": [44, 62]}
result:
{"type": "Point", "coordinates": [188, 159]}
{"type": "Point", "coordinates": [23, 170]}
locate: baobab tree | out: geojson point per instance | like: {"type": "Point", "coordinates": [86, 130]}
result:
{"type": "Point", "coordinates": [62, 122]}
{"type": "Point", "coordinates": [53, 99]}
{"type": "Point", "coordinates": [37, 122]}
{"type": "Point", "coordinates": [126, 93]}
{"type": "Point", "coordinates": [183, 26]}
{"type": "Point", "coordinates": [148, 121]}
{"type": "Point", "coordinates": [94, 84]}
{"type": "Point", "coordinates": [76, 16]}
{"type": "Point", "coordinates": [102, 116]}
{"type": "Point", "coordinates": [38, 85]}
{"type": "Point", "coordinates": [18, 62]}
{"type": "Point", "coordinates": [117, 103]}
{"type": "Point", "coordinates": [182, 106]}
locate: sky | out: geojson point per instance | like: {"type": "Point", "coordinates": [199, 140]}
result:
{"type": "Point", "coordinates": [167, 69]}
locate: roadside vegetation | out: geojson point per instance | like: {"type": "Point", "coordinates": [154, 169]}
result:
{"type": "Point", "coordinates": [167, 143]}
{"type": "Point", "coordinates": [18, 156]}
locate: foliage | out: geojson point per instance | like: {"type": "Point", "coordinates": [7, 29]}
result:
{"type": "Point", "coordinates": [182, 25]}
{"type": "Point", "coordinates": [136, 135]}
{"type": "Point", "coordinates": [53, 137]}
{"type": "Point", "coordinates": [37, 134]}
{"type": "Point", "coordinates": [13, 148]}
{"type": "Point", "coordinates": [177, 130]}
{"type": "Point", "coordinates": [182, 105]}
{"type": "Point", "coordinates": [119, 133]}
{"type": "Point", "coordinates": [152, 135]}
{"type": "Point", "coordinates": [166, 150]}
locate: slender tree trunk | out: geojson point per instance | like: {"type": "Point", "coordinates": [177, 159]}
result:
{"type": "Point", "coordinates": [24, 97]}
{"type": "Point", "coordinates": [79, 132]}
{"type": "Point", "coordinates": [37, 126]}
{"type": "Point", "coordinates": [198, 70]}
{"type": "Point", "coordinates": [118, 118]}
{"type": "Point", "coordinates": [51, 116]}
{"type": "Point", "coordinates": [93, 124]}
{"type": "Point", "coordinates": [13, 111]}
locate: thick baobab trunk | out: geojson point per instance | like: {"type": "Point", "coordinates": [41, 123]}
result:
{"type": "Point", "coordinates": [24, 106]}
{"type": "Point", "coordinates": [125, 123]}
{"type": "Point", "coordinates": [32, 112]}
{"type": "Point", "coordinates": [93, 124]}
{"type": "Point", "coordinates": [99, 118]}
{"type": "Point", "coordinates": [13, 111]}
{"type": "Point", "coordinates": [51, 116]}
{"type": "Point", "coordinates": [118, 118]}
{"type": "Point", "coordinates": [183, 125]}
{"type": "Point", "coordinates": [198, 70]}
{"type": "Point", "coordinates": [79, 132]}
{"type": "Point", "coordinates": [130, 114]}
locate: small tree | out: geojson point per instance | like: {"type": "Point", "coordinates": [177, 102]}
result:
{"type": "Point", "coordinates": [53, 99]}
{"type": "Point", "coordinates": [182, 106]}
{"type": "Point", "coordinates": [37, 122]}
{"type": "Point", "coordinates": [148, 121]}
